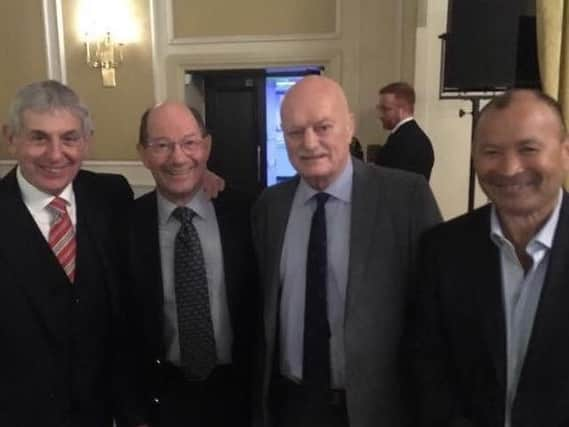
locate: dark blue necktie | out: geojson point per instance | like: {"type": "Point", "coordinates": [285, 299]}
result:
{"type": "Point", "coordinates": [197, 342]}
{"type": "Point", "coordinates": [316, 354]}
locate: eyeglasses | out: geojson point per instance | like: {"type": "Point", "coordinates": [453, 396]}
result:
{"type": "Point", "coordinates": [164, 146]}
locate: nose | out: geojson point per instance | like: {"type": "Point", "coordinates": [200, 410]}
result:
{"type": "Point", "coordinates": [54, 150]}
{"type": "Point", "coordinates": [510, 164]}
{"type": "Point", "coordinates": [178, 155]}
{"type": "Point", "coordinates": [310, 139]}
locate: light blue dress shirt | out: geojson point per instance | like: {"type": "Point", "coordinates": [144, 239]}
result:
{"type": "Point", "coordinates": [521, 293]}
{"type": "Point", "coordinates": [206, 225]}
{"type": "Point", "coordinates": [293, 274]}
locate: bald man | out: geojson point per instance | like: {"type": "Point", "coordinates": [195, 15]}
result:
{"type": "Point", "coordinates": [194, 280]}
{"type": "Point", "coordinates": [493, 322]}
{"type": "Point", "coordinates": [336, 251]}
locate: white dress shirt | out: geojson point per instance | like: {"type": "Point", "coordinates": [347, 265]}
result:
{"type": "Point", "coordinates": [401, 123]}
{"type": "Point", "coordinates": [36, 201]}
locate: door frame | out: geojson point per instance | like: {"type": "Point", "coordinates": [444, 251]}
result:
{"type": "Point", "coordinates": [178, 65]}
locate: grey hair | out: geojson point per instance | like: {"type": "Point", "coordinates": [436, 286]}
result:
{"type": "Point", "coordinates": [45, 96]}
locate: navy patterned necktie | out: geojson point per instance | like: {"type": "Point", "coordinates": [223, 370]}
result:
{"type": "Point", "coordinates": [195, 328]}
{"type": "Point", "coordinates": [316, 354]}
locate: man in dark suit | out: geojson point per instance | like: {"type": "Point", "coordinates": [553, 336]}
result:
{"type": "Point", "coordinates": [174, 145]}
{"type": "Point", "coordinates": [407, 146]}
{"type": "Point", "coordinates": [60, 261]}
{"type": "Point", "coordinates": [493, 322]}
{"type": "Point", "coordinates": [334, 286]}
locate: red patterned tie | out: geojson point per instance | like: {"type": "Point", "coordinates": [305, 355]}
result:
{"type": "Point", "coordinates": [62, 237]}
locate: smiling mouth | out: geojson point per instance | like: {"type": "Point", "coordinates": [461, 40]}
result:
{"type": "Point", "coordinates": [177, 173]}
{"type": "Point", "coordinates": [313, 157]}
{"type": "Point", "coordinates": [513, 188]}
{"type": "Point", "coordinates": [54, 170]}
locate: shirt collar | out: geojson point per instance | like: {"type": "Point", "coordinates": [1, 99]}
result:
{"type": "Point", "coordinates": [340, 189]}
{"type": "Point", "coordinates": [198, 204]}
{"type": "Point", "coordinates": [544, 236]}
{"type": "Point", "coordinates": [35, 199]}
{"type": "Point", "coordinates": [401, 123]}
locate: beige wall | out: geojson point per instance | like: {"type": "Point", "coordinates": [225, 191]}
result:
{"type": "Point", "coordinates": [23, 50]}
{"type": "Point", "coordinates": [386, 45]}
{"type": "Point", "coordinates": [374, 44]}
{"type": "Point", "coordinates": [199, 18]}
{"type": "Point", "coordinates": [449, 133]}
{"type": "Point", "coordinates": [369, 43]}
{"type": "Point", "coordinates": [116, 111]}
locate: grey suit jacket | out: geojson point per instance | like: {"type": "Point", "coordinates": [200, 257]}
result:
{"type": "Point", "coordinates": [390, 209]}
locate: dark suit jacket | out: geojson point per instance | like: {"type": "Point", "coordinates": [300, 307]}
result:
{"type": "Point", "coordinates": [461, 363]}
{"type": "Point", "coordinates": [57, 363]}
{"type": "Point", "coordinates": [408, 148]}
{"type": "Point", "coordinates": [390, 209]}
{"type": "Point", "coordinates": [146, 300]}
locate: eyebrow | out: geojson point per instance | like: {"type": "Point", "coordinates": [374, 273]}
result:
{"type": "Point", "coordinates": [44, 132]}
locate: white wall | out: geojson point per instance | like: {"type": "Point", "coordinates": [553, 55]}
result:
{"type": "Point", "coordinates": [449, 133]}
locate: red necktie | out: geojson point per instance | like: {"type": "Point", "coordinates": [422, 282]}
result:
{"type": "Point", "coordinates": [62, 237]}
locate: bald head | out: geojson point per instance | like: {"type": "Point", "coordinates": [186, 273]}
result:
{"type": "Point", "coordinates": [164, 109]}
{"type": "Point", "coordinates": [315, 86]}
{"type": "Point", "coordinates": [318, 128]}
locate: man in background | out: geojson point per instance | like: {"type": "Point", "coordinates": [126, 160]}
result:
{"type": "Point", "coordinates": [60, 263]}
{"type": "Point", "coordinates": [194, 282]}
{"type": "Point", "coordinates": [407, 146]}
{"type": "Point", "coordinates": [336, 250]}
{"type": "Point", "coordinates": [493, 321]}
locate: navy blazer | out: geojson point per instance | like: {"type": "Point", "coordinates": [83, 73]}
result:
{"type": "Point", "coordinates": [61, 341]}
{"type": "Point", "coordinates": [408, 148]}
{"type": "Point", "coordinates": [146, 298]}
{"type": "Point", "coordinates": [461, 334]}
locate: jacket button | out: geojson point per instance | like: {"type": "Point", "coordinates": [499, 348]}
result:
{"type": "Point", "coordinates": [156, 401]}
{"type": "Point", "coordinates": [158, 361]}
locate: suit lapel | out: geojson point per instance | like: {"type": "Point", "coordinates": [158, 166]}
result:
{"type": "Point", "coordinates": [364, 216]}
{"type": "Point", "coordinates": [93, 221]}
{"type": "Point", "coordinates": [147, 266]}
{"type": "Point", "coordinates": [486, 277]}
{"type": "Point", "coordinates": [229, 244]}
{"type": "Point", "coordinates": [551, 315]}
{"type": "Point", "coordinates": [278, 212]}
{"type": "Point", "coordinates": [28, 253]}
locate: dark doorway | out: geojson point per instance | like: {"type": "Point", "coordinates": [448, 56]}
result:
{"type": "Point", "coordinates": [235, 105]}
{"type": "Point", "coordinates": [235, 116]}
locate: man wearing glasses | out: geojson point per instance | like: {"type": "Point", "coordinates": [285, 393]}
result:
{"type": "Point", "coordinates": [194, 279]}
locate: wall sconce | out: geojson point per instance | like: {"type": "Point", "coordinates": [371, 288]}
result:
{"type": "Point", "coordinates": [105, 54]}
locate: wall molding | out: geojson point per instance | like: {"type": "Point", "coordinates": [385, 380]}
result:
{"type": "Point", "coordinates": [54, 40]}
{"type": "Point", "coordinates": [253, 39]}
{"type": "Point", "coordinates": [177, 65]}
{"type": "Point", "coordinates": [173, 40]}
{"type": "Point", "coordinates": [173, 56]}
